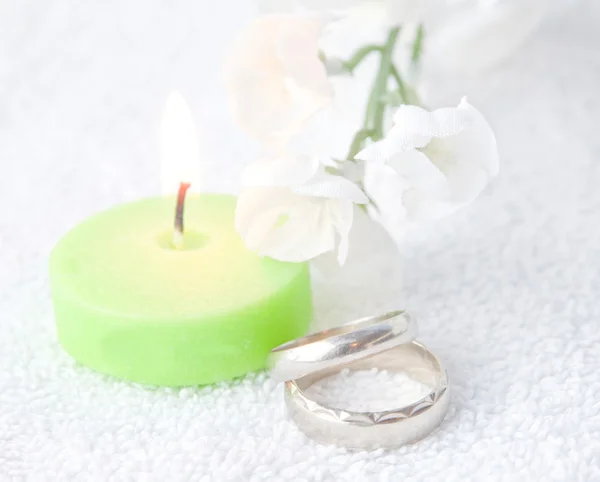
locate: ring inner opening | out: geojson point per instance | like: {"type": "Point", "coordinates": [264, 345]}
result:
{"type": "Point", "coordinates": [387, 381]}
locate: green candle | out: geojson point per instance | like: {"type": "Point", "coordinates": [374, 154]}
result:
{"type": "Point", "coordinates": [128, 303]}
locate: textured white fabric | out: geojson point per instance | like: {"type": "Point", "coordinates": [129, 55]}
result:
{"type": "Point", "coordinates": [507, 289]}
{"type": "Point", "coordinates": [372, 390]}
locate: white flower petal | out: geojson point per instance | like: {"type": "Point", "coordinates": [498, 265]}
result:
{"type": "Point", "coordinates": [383, 150]}
{"type": "Point", "coordinates": [386, 188]}
{"type": "Point", "coordinates": [284, 170]}
{"type": "Point", "coordinates": [342, 213]}
{"type": "Point", "coordinates": [468, 159]}
{"type": "Point", "coordinates": [434, 179]}
{"type": "Point", "coordinates": [417, 171]}
{"type": "Point", "coordinates": [282, 225]}
{"type": "Point", "coordinates": [298, 49]}
{"type": "Point", "coordinates": [300, 222]}
{"type": "Point", "coordinates": [420, 207]}
{"type": "Point", "coordinates": [325, 185]}
{"type": "Point", "coordinates": [271, 97]}
{"type": "Point", "coordinates": [257, 211]}
{"type": "Point", "coordinates": [305, 235]}
{"type": "Point", "coordinates": [418, 125]}
{"type": "Point", "coordinates": [328, 131]}
{"type": "Point", "coordinates": [414, 127]}
{"type": "Point", "coordinates": [480, 34]}
{"type": "Point", "coordinates": [397, 203]}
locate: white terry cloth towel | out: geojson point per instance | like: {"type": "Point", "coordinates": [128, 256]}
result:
{"type": "Point", "coordinates": [507, 290]}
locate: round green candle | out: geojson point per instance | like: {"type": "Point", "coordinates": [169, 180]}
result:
{"type": "Point", "coordinates": [129, 304]}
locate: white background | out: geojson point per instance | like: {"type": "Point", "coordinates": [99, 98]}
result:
{"type": "Point", "coordinates": [507, 289]}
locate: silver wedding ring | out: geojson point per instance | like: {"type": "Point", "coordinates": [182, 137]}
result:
{"type": "Point", "coordinates": [341, 345]}
{"type": "Point", "coordinates": [385, 342]}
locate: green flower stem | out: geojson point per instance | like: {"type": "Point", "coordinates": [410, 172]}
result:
{"type": "Point", "coordinates": [379, 98]}
{"type": "Point", "coordinates": [359, 56]}
{"type": "Point", "coordinates": [371, 202]}
{"type": "Point", "coordinates": [402, 89]}
{"type": "Point", "coordinates": [357, 143]}
{"type": "Point", "coordinates": [376, 106]}
{"type": "Point", "coordinates": [417, 48]}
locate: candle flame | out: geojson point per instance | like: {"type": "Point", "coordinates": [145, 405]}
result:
{"type": "Point", "coordinates": [179, 146]}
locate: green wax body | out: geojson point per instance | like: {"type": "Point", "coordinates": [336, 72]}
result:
{"type": "Point", "coordinates": [128, 304]}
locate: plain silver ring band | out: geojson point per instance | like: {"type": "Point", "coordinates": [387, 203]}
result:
{"type": "Point", "coordinates": [341, 345]}
{"type": "Point", "coordinates": [370, 430]}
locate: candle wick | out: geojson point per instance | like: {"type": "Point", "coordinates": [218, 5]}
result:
{"type": "Point", "coordinates": [178, 226]}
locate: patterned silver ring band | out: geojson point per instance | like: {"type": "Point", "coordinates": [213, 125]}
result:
{"type": "Point", "coordinates": [370, 430]}
{"type": "Point", "coordinates": [339, 346]}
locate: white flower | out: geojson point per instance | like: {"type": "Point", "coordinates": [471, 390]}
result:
{"type": "Point", "coordinates": [430, 163]}
{"type": "Point", "coordinates": [461, 35]}
{"type": "Point", "coordinates": [274, 77]}
{"type": "Point", "coordinates": [477, 34]}
{"type": "Point", "coordinates": [294, 210]}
